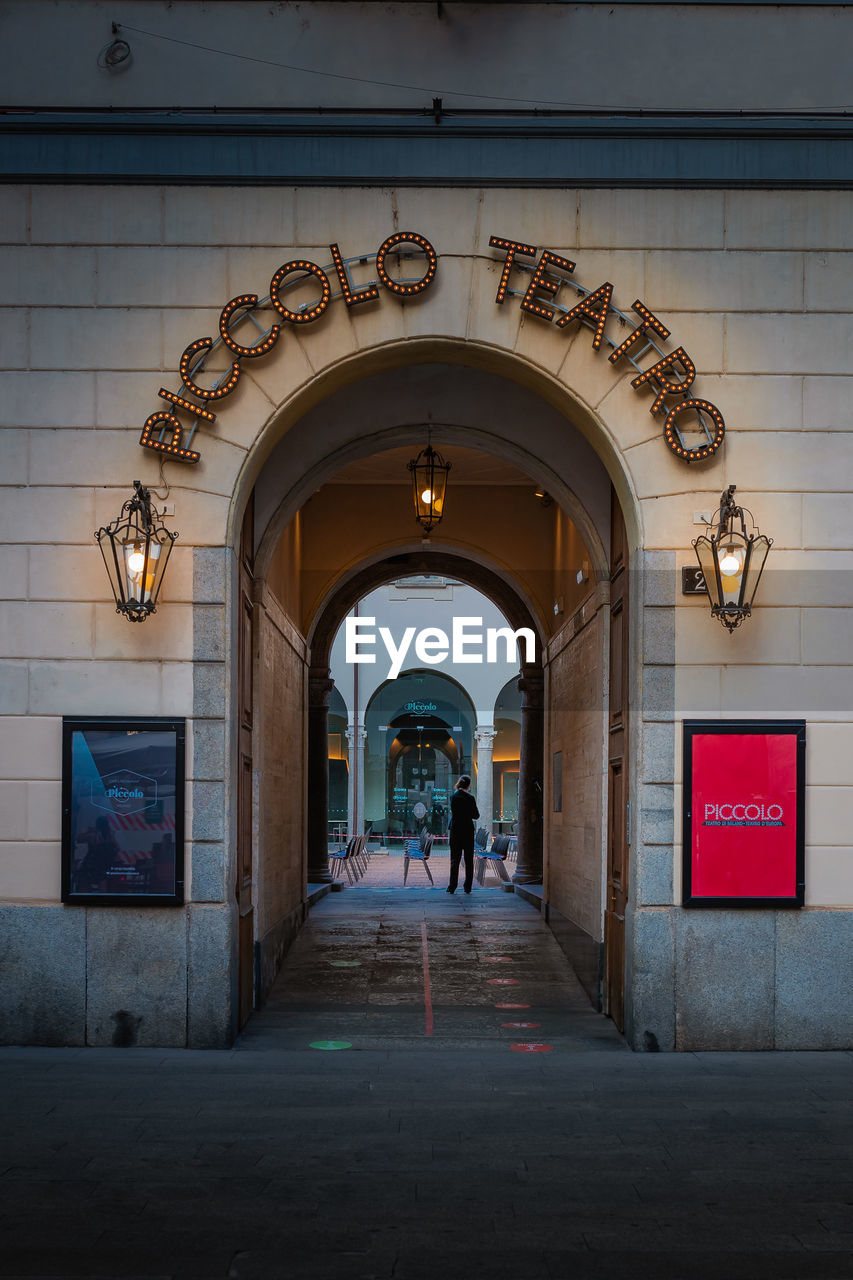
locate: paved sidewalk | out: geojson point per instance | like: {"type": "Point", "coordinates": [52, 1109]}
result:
{"type": "Point", "coordinates": [413, 1156]}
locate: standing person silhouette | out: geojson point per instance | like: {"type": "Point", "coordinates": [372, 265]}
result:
{"type": "Point", "coordinates": [463, 811]}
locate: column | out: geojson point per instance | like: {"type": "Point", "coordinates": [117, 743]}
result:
{"type": "Point", "coordinates": [484, 736]}
{"type": "Point", "coordinates": [356, 737]}
{"type": "Point", "coordinates": [530, 776]}
{"type": "Point", "coordinates": [319, 688]}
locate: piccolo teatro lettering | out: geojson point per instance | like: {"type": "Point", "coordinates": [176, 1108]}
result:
{"type": "Point", "coordinates": [670, 378]}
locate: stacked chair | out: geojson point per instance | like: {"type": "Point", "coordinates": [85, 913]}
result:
{"type": "Point", "coordinates": [493, 858]}
{"type": "Point", "coordinates": [353, 858]}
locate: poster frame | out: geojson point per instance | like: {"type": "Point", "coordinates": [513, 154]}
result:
{"type": "Point", "coordinates": [692, 728]}
{"type": "Point", "coordinates": [137, 724]}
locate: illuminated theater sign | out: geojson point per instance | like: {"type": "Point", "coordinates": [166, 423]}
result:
{"type": "Point", "coordinates": [670, 378]}
{"type": "Point", "coordinates": [744, 821]}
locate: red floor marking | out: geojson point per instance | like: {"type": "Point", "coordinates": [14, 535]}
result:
{"type": "Point", "coordinates": [512, 1006]}
{"type": "Point", "coordinates": [502, 982]}
{"type": "Point", "coordinates": [521, 1026]}
{"type": "Point", "coordinates": [427, 990]}
{"type": "Point", "coordinates": [530, 1047]}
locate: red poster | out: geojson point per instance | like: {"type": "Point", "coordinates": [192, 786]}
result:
{"type": "Point", "coordinates": [743, 813]}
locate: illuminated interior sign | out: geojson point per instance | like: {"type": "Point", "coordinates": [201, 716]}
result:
{"type": "Point", "coordinates": [693, 428]}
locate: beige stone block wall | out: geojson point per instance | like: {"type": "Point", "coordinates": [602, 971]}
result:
{"type": "Point", "coordinates": [790, 220]}
{"type": "Point", "coordinates": [233, 216]}
{"type": "Point", "coordinates": [724, 281]}
{"type": "Point", "coordinates": [574, 838]}
{"type": "Point", "coordinates": [89, 215]}
{"type": "Point", "coordinates": [30, 774]}
{"type": "Point", "coordinates": [104, 287]}
{"type": "Point", "coordinates": [279, 742]}
{"type": "Point", "coordinates": [651, 219]}
{"type": "Point", "coordinates": [13, 214]}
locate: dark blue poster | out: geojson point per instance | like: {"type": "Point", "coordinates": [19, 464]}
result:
{"type": "Point", "coordinates": [123, 811]}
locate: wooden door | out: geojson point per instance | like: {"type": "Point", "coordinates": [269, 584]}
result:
{"type": "Point", "coordinates": [617, 793]}
{"type": "Point", "coordinates": [245, 705]}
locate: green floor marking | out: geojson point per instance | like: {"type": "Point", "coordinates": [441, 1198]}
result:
{"type": "Point", "coordinates": [330, 1044]}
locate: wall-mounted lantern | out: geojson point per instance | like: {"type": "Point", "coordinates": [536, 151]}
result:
{"type": "Point", "coordinates": [136, 548]}
{"type": "Point", "coordinates": [429, 483]}
{"type": "Point", "coordinates": [731, 561]}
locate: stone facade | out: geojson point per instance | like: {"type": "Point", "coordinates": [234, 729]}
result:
{"type": "Point", "coordinates": [104, 285]}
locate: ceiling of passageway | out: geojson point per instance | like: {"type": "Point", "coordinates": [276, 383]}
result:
{"type": "Point", "coordinates": [468, 466]}
{"type": "Point", "coordinates": [494, 430]}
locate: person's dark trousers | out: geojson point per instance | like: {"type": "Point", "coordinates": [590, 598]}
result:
{"type": "Point", "coordinates": [455, 859]}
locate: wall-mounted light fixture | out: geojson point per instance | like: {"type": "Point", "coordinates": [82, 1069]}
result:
{"type": "Point", "coordinates": [731, 561]}
{"type": "Point", "coordinates": [136, 548]}
{"type": "Point", "coordinates": [116, 54]}
{"type": "Point", "coordinates": [429, 484]}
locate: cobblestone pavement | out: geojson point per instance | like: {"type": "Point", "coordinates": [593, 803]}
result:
{"type": "Point", "coordinates": [432, 1147]}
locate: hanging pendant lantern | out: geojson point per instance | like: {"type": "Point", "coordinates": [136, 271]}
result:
{"type": "Point", "coordinates": [136, 548]}
{"type": "Point", "coordinates": [429, 483]}
{"type": "Point", "coordinates": [731, 561]}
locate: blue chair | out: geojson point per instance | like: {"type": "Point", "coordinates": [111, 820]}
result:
{"type": "Point", "coordinates": [415, 851]}
{"type": "Point", "coordinates": [494, 858]}
{"type": "Point", "coordinates": [346, 858]}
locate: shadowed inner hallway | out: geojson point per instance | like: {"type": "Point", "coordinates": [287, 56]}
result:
{"type": "Point", "coordinates": [418, 969]}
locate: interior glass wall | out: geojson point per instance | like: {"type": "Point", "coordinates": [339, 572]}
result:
{"type": "Point", "coordinates": [420, 733]}
{"type": "Point", "coordinates": [338, 763]}
{"type": "Point", "coordinates": [506, 757]}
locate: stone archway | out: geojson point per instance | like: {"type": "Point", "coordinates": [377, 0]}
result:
{"type": "Point", "coordinates": [511, 602]}
{"type": "Point", "coordinates": [548, 451]}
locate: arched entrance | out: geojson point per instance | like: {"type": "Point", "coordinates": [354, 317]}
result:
{"type": "Point", "coordinates": [333, 523]}
{"type": "Point", "coordinates": [519, 614]}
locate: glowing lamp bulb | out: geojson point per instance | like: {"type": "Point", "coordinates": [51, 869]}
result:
{"type": "Point", "coordinates": [136, 561]}
{"type": "Point", "coordinates": [426, 496]}
{"type": "Point", "coordinates": [730, 565]}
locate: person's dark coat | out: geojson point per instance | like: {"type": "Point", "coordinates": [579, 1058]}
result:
{"type": "Point", "coordinates": [463, 813]}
